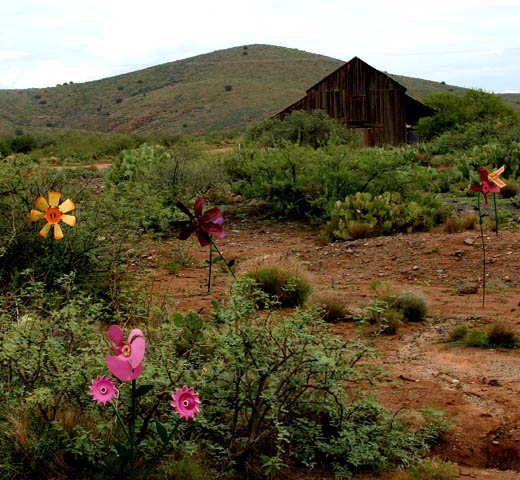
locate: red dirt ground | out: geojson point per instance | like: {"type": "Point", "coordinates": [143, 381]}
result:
{"type": "Point", "coordinates": [478, 389]}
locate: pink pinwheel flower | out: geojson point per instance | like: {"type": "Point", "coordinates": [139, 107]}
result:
{"type": "Point", "coordinates": [186, 402]}
{"type": "Point", "coordinates": [103, 389]}
{"type": "Point", "coordinates": [127, 365]}
{"type": "Point", "coordinates": [484, 186]}
{"type": "Point", "coordinates": [203, 225]}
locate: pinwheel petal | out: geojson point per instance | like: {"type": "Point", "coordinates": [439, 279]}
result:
{"type": "Point", "coordinates": [36, 215]}
{"type": "Point", "coordinates": [203, 238]}
{"type": "Point", "coordinates": [120, 368]}
{"type": "Point", "coordinates": [69, 220]}
{"type": "Point", "coordinates": [184, 209]}
{"type": "Point", "coordinates": [136, 372]}
{"type": "Point", "coordinates": [138, 346]}
{"type": "Point", "coordinates": [212, 229]}
{"type": "Point", "coordinates": [41, 203]}
{"type": "Point", "coordinates": [475, 188]}
{"type": "Point", "coordinates": [115, 338]}
{"type": "Point", "coordinates": [199, 205]}
{"type": "Point", "coordinates": [54, 199]}
{"type": "Point", "coordinates": [494, 189]}
{"type": "Point", "coordinates": [211, 215]}
{"type": "Point", "coordinates": [45, 230]}
{"type": "Point", "coordinates": [67, 206]}
{"type": "Point", "coordinates": [58, 232]}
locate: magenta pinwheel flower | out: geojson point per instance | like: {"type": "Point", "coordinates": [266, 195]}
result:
{"type": "Point", "coordinates": [186, 402]}
{"type": "Point", "coordinates": [204, 225]}
{"type": "Point", "coordinates": [103, 389]}
{"type": "Point", "coordinates": [127, 364]}
{"type": "Point", "coordinates": [484, 186]}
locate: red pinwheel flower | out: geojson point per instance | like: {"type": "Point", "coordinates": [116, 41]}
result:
{"type": "Point", "coordinates": [103, 389]}
{"type": "Point", "coordinates": [484, 186]}
{"type": "Point", "coordinates": [186, 402]}
{"type": "Point", "coordinates": [203, 225]}
{"type": "Point", "coordinates": [127, 365]}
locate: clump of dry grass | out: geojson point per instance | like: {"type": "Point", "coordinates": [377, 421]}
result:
{"type": "Point", "coordinates": [334, 305]}
{"type": "Point", "coordinates": [282, 277]}
{"type": "Point", "coordinates": [457, 224]}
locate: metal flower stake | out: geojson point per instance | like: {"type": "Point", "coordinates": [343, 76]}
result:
{"type": "Point", "coordinates": [206, 226]}
{"type": "Point", "coordinates": [484, 187]}
{"type": "Point", "coordinates": [126, 366]}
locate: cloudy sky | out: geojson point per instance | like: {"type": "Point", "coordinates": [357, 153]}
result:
{"type": "Point", "coordinates": [461, 42]}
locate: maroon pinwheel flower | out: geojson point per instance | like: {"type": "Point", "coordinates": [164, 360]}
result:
{"type": "Point", "coordinates": [203, 225]}
{"type": "Point", "coordinates": [484, 186]}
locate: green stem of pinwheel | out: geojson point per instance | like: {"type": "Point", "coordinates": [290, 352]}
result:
{"type": "Point", "coordinates": [132, 433]}
{"type": "Point", "coordinates": [210, 263]}
{"type": "Point", "coordinates": [220, 253]}
{"type": "Point", "coordinates": [496, 214]}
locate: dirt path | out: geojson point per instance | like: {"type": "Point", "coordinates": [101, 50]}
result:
{"type": "Point", "coordinates": [478, 389]}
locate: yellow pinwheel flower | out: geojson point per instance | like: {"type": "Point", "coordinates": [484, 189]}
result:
{"type": "Point", "coordinates": [53, 213]}
{"type": "Point", "coordinates": [493, 177]}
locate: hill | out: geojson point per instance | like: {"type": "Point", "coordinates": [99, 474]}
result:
{"type": "Point", "coordinates": [220, 91]}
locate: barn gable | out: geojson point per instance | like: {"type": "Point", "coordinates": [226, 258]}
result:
{"type": "Point", "coordinates": [362, 97]}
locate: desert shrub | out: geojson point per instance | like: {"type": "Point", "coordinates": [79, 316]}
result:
{"type": "Point", "coordinates": [364, 215]}
{"type": "Point", "coordinates": [86, 251]}
{"type": "Point", "coordinates": [280, 285]}
{"type": "Point", "coordinates": [302, 128]}
{"type": "Point", "coordinates": [298, 181]}
{"type": "Point", "coordinates": [476, 338]}
{"type": "Point", "coordinates": [261, 405]}
{"type": "Point", "coordinates": [412, 305]}
{"type": "Point", "coordinates": [458, 333]}
{"type": "Point", "coordinates": [456, 111]}
{"type": "Point", "coordinates": [502, 335]}
{"type": "Point", "coordinates": [170, 175]}
{"type": "Point", "coordinates": [512, 189]}
{"type": "Point", "coordinates": [457, 224]}
{"type": "Point", "coordinates": [429, 469]}
{"type": "Point", "coordinates": [391, 321]}
{"type": "Point", "coordinates": [333, 306]}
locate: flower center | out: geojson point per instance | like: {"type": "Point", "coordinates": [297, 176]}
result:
{"type": "Point", "coordinates": [53, 215]}
{"type": "Point", "coordinates": [186, 403]}
{"type": "Point", "coordinates": [103, 390]}
{"type": "Point", "coordinates": [126, 350]}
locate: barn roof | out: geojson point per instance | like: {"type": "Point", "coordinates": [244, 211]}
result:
{"type": "Point", "coordinates": [350, 62]}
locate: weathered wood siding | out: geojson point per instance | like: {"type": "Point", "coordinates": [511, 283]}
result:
{"type": "Point", "coordinates": [365, 98]}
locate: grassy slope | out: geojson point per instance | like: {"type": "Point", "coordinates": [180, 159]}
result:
{"type": "Point", "coordinates": [186, 96]}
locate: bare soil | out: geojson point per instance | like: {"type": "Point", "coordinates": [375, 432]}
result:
{"type": "Point", "coordinates": [477, 388]}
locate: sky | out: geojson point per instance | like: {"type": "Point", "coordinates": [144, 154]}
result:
{"type": "Point", "coordinates": [467, 43]}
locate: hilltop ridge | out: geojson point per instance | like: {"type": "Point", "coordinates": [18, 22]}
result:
{"type": "Point", "coordinates": [224, 90]}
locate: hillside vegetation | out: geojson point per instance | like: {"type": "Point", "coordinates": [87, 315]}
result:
{"type": "Point", "coordinates": [220, 91]}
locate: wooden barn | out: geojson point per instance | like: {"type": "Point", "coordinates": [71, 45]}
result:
{"type": "Point", "coordinates": [365, 98]}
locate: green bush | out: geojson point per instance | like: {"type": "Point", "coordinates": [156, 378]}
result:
{"type": "Point", "coordinates": [502, 335]}
{"type": "Point", "coordinates": [87, 251]}
{"type": "Point", "coordinates": [285, 288]}
{"type": "Point", "coordinates": [476, 338]}
{"type": "Point", "coordinates": [412, 305]}
{"type": "Point", "coordinates": [456, 111]}
{"type": "Point", "coordinates": [511, 189]}
{"type": "Point", "coordinates": [458, 333]}
{"type": "Point", "coordinates": [430, 469]}
{"type": "Point", "coordinates": [364, 215]}
{"type": "Point", "coordinates": [301, 128]}
{"type": "Point", "coordinates": [260, 403]}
